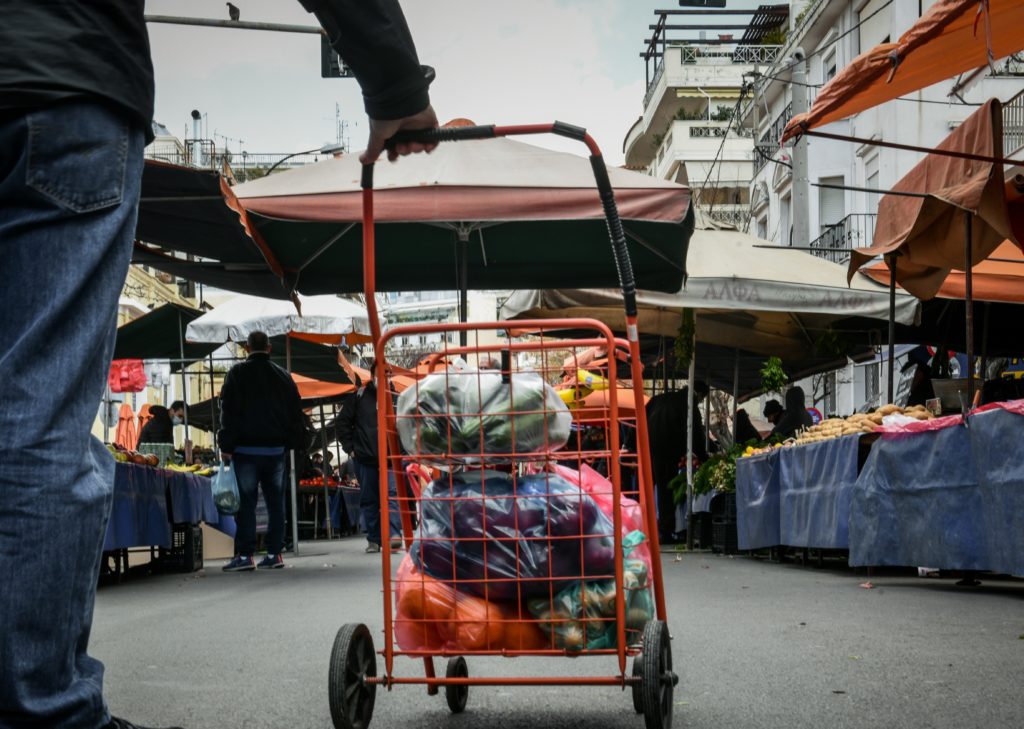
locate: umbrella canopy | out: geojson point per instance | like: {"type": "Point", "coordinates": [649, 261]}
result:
{"type": "Point", "coordinates": [516, 214]}
{"type": "Point", "coordinates": [928, 232]}
{"type": "Point", "coordinates": [954, 36]}
{"type": "Point", "coordinates": [999, 278]}
{"type": "Point", "coordinates": [157, 335]}
{"type": "Point", "coordinates": [325, 319]}
{"type": "Point", "coordinates": [195, 212]}
{"type": "Point", "coordinates": [770, 301]}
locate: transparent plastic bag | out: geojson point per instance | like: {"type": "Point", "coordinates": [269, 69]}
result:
{"type": "Point", "coordinates": [582, 615]}
{"type": "Point", "coordinates": [500, 537]}
{"type": "Point", "coordinates": [478, 412]}
{"type": "Point", "coordinates": [430, 615]}
{"type": "Point", "coordinates": [225, 490]}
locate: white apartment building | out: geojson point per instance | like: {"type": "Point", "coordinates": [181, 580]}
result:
{"type": "Point", "coordinates": [688, 132]}
{"type": "Point", "coordinates": [829, 34]}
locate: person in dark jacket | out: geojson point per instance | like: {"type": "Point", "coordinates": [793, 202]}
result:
{"type": "Point", "coordinates": [76, 109]}
{"type": "Point", "coordinates": [666, 428]}
{"type": "Point", "coordinates": [745, 430]}
{"type": "Point", "coordinates": [357, 431]}
{"type": "Point", "coordinates": [160, 427]}
{"type": "Point", "coordinates": [795, 417]}
{"type": "Point", "coordinates": [261, 418]}
{"type": "Point", "coordinates": [773, 412]}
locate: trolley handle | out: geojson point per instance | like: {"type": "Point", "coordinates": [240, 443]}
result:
{"type": "Point", "coordinates": [441, 134]}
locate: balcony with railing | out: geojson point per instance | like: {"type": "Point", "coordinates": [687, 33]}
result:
{"type": "Point", "coordinates": [1013, 125]}
{"type": "Point", "coordinates": [236, 166]}
{"type": "Point", "coordinates": [769, 142]}
{"type": "Point", "coordinates": [854, 231]}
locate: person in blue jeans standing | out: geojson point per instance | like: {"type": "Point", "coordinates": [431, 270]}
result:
{"type": "Point", "coordinates": [357, 431]}
{"type": "Point", "coordinates": [76, 106]}
{"type": "Point", "coordinates": [261, 419]}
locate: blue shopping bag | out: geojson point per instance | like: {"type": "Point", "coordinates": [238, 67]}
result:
{"type": "Point", "coordinates": [225, 490]}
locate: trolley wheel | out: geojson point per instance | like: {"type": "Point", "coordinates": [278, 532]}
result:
{"type": "Point", "coordinates": [456, 696]}
{"type": "Point", "coordinates": [352, 661]}
{"type": "Point", "coordinates": [658, 678]}
{"type": "Point", "coordinates": [636, 688]}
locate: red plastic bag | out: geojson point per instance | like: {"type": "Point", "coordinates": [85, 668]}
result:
{"type": "Point", "coordinates": [127, 375]}
{"type": "Point", "coordinates": [430, 615]}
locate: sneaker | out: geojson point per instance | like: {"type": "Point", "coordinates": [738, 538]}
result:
{"type": "Point", "coordinates": [116, 723]}
{"type": "Point", "coordinates": [271, 562]}
{"type": "Point", "coordinates": [240, 563]}
{"type": "Point", "coordinates": [372, 548]}
{"type": "Point", "coordinates": [396, 545]}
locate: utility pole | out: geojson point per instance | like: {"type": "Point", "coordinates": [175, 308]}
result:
{"type": "Point", "coordinates": [800, 217]}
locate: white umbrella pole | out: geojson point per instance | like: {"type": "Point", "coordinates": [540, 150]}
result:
{"type": "Point", "coordinates": [689, 440]}
{"type": "Point", "coordinates": [291, 455]}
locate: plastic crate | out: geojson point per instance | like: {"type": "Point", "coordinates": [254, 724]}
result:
{"type": "Point", "coordinates": [723, 507]}
{"type": "Point", "coordinates": [703, 534]}
{"type": "Point", "coordinates": [723, 538]}
{"type": "Point", "coordinates": [186, 551]}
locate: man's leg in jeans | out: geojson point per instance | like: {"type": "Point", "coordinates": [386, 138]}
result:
{"type": "Point", "coordinates": [247, 474]}
{"type": "Point", "coordinates": [69, 188]}
{"type": "Point", "coordinates": [369, 500]}
{"type": "Point", "coordinates": [272, 472]}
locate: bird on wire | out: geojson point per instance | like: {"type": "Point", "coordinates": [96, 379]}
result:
{"type": "Point", "coordinates": [233, 12]}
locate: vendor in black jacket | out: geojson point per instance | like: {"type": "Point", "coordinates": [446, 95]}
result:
{"type": "Point", "coordinates": [261, 415]}
{"type": "Point", "coordinates": [160, 427]}
{"type": "Point", "coordinates": [357, 431]}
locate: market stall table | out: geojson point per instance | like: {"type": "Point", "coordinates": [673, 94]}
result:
{"type": "Point", "coordinates": [948, 497]}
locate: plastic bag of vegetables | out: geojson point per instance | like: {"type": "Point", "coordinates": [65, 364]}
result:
{"type": "Point", "coordinates": [431, 615]}
{"type": "Point", "coordinates": [501, 537]}
{"type": "Point", "coordinates": [475, 412]}
{"type": "Point", "coordinates": [582, 615]}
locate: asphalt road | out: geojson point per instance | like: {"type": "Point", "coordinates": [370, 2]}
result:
{"type": "Point", "coordinates": [756, 645]}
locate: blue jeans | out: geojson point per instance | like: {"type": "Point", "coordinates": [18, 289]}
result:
{"type": "Point", "coordinates": [69, 187]}
{"type": "Point", "coordinates": [369, 502]}
{"type": "Point", "coordinates": [253, 473]}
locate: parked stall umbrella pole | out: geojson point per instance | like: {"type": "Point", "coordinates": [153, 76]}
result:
{"type": "Point", "coordinates": [735, 397]}
{"type": "Point", "coordinates": [327, 498]}
{"type": "Point", "coordinates": [291, 459]}
{"type": "Point", "coordinates": [969, 310]}
{"type": "Point", "coordinates": [184, 387]}
{"type": "Point", "coordinates": [892, 325]}
{"type": "Point", "coordinates": [689, 438]}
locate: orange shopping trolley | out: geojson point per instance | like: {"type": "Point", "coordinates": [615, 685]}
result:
{"type": "Point", "coordinates": [529, 529]}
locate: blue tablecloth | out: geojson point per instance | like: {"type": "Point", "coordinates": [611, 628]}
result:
{"type": "Point", "coordinates": [139, 514]}
{"type": "Point", "coordinates": [815, 484]}
{"type": "Point", "coordinates": [950, 499]}
{"type": "Point", "coordinates": [757, 501]}
{"type": "Point", "coordinates": [191, 498]}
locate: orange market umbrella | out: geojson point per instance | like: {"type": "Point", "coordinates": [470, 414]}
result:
{"type": "Point", "coordinates": [926, 229]}
{"type": "Point", "coordinates": [125, 435]}
{"type": "Point", "coordinates": [999, 278]}
{"type": "Point", "coordinates": [954, 36]}
{"type": "Point", "coordinates": [310, 389]}
{"type": "Point", "coordinates": [144, 417]}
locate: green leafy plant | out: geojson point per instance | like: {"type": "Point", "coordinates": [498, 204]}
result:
{"type": "Point", "coordinates": [773, 377]}
{"type": "Point", "coordinates": [684, 342]}
{"type": "Point", "coordinates": [830, 344]}
{"type": "Point", "coordinates": [722, 113]}
{"type": "Point", "coordinates": [775, 37]}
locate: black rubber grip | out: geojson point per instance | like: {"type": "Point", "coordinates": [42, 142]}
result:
{"type": "Point", "coordinates": [569, 130]}
{"type": "Point", "coordinates": [442, 134]}
{"type": "Point", "coordinates": [623, 264]}
{"type": "Point", "coordinates": [366, 180]}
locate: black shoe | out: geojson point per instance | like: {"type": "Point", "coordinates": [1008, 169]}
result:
{"type": "Point", "coordinates": [116, 723]}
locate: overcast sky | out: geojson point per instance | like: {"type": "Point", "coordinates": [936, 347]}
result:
{"type": "Point", "coordinates": [497, 62]}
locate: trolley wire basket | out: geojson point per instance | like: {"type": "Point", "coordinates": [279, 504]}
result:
{"type": "Point", "coordinates": [528, 529]}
